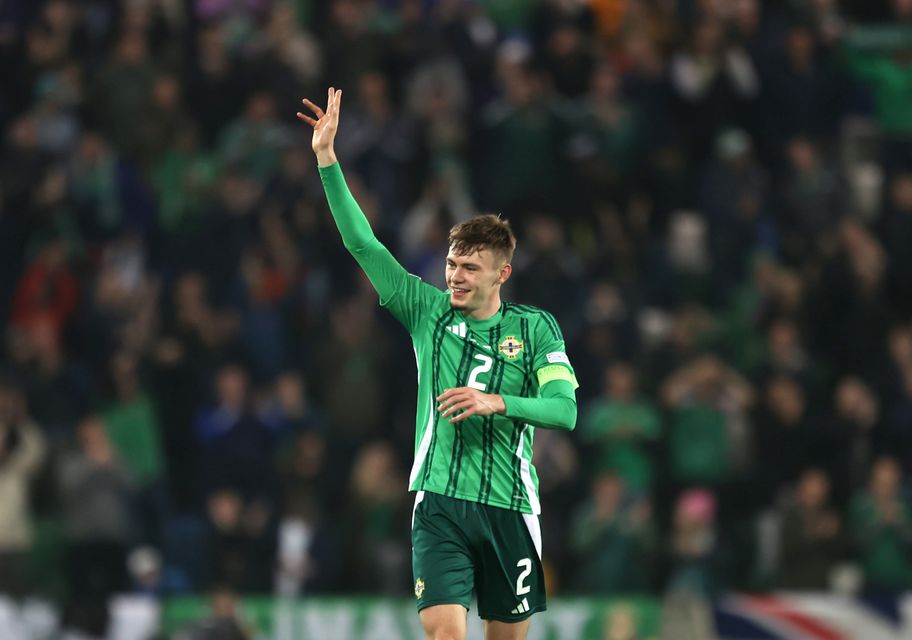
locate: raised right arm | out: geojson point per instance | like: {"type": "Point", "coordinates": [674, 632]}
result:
{"type": "Point", "coordinates": [384, 272]}
{"type": "Point", "coordinates": [388, 277]}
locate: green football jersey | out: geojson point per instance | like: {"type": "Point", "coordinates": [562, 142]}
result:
{"type": "Point", "coordinates": [484, 459]}
{"type": "Point", "coordinates": [515, 352]}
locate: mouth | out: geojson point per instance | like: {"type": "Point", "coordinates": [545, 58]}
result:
{"type": "Point", "coordinates": [458, 293]}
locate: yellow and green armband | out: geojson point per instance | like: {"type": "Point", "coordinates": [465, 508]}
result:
{"type": "Point", "coordinates": [555, 372]}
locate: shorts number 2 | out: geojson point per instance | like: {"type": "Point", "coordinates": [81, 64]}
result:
{"type": "Point", "coordinates": [522, 589]}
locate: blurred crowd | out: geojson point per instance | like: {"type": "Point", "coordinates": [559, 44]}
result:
{"type": "Point", "coordinates": [713, 197]}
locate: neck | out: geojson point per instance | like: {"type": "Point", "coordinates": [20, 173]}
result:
{"type": "Point", "coordinates": [491, 307]}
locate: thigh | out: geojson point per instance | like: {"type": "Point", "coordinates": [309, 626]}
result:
{"type": "Point", "coordinates": [497, 630]}
{"type": "Point", "coordinates": [442, 561]}
{"type": "Point", "coordinates": [444, 620]}
{"type": "Point", "coordinates": [511, 581]}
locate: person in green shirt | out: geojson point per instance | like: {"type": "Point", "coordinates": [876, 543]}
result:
{"type": "Point", "coordinates": [888, 75]}
{"type": "Point", "coordinates": [620, 425]}
{"type": "Point", "coordinates": [880, 523]}
{"type": "Point", "coordinates": [612, 537]}
{"type": "Point", "coordinates": [132, 428]}
{"type": "Point", "coordinates": [131, 424]}
{"type": "Point", "coordinates": [489, 373]}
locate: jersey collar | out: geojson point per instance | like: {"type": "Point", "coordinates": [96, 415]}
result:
{"type": "Point", "coordinates": [487, 323]}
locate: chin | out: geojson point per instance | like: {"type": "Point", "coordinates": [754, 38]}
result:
{"type": "Point", "coordinates": [461, 305]}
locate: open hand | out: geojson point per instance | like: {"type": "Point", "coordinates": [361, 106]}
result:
{"type": "Point", "coordinates": [324, 126]}
{"type": "Point", "coordinates": [470, 402]}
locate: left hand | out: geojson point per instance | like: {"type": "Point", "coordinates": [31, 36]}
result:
{"type": "Point", "coordinates": [471, 402]}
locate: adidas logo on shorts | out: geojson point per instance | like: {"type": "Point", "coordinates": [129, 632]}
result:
{"type": "Point", "coordinates": [522, 608]}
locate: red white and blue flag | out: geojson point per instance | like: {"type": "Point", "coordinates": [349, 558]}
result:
{"type": "Point", "coordinates": [812, 617]}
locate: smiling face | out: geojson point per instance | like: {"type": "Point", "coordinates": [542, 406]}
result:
{"type": "Point", "coordinates": [474, 281]}
{"type": "Point", "coordinates": [478, 263]}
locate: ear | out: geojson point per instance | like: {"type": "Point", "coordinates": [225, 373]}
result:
{"type": "Point", "coordinates": [505, 272]}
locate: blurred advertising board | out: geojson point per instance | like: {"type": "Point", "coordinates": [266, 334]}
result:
{"type": "Point", "coordinates": [782, 616]}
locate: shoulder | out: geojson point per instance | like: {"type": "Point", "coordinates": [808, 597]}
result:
{"type": "Point", "coordinates": [438, 314]}
{"type": "Point", "coordinates": [541, 321]}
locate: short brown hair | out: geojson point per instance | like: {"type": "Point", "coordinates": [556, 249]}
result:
{"type": "Point", "coordinates": [487, 231]}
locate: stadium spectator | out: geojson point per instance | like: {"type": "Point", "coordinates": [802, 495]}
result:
{"type": "Point", "coordinates": [241, 540]}
{"type": "Point", "coordinates": [224, 622]}
{"type": "Point", "coordinates": [813, 195]}
{"type": "Point", "coordinates": [895, 232]}
{"type": "Point", "coordinates": [382, 141]}
{"type": "Point", "coordinates": [612, 539]}
{"type": "Point", "coordinates": [262, 290]}
{"type": "Point", "coordinates": [122, 89]}
{"type": "Point", "coordinates": [715, 81]}
{"type": "Point", "coordinates": [805, 90]}
{"type": "Point", "coordinates": [854, 436]}
{"type": "Point", "coordinates": [786, 353]}
{"type": "Point", "coordinates": [374, 522]}
{"type": "Point", "coordinates": [623, 426]}
{"type": "Point", "coordinates": [290, 410]}
{"type": "Point", "coordinates": [693, 546]}
{"type": "Point", "coordinates": [812, 535]}
{"type": "Point", "coordinates": [709, 401]}
{"type": "Point", "coordinates": [48, 290]}
{"type": "Point", "coordinates": [444, 202]}
{"type": "Point", "coordinates": [306, 554]}
{"type": "Point", "coordinates": [96, 495]}
{"type": "Point", "coordinates": [896, 390]}
{"type": "Point", "coordinates": [694, 565]}
{"type": "Point", "coordinates": [849, 299]}
{"type": "Point", "coordinates": [133, 429]}
{"type": "Point", "coordinates": [251, 143]}
{"type": "Point", "coordinates": [236, 445]}
{"type": "Point", "coordinates": [881, 528]}
{"type": "Point", "coordinates": [548, 270]}
{"type": "Point", "coordinates": [49, 373]}
{"type": "Point", "coordinates": [175, 388]}
{"type": "Point", "coordinates": [734, 201]}
{"type": "Point", "coordinates": [522, 140]}
{"type": "Point", "coordinates": [162, 120]}
{"type": "Point", "coordinates": [785, 431]}
{"type": "Point", "coordinates": [352, 356]}
{"type": "Point", "coordinates": [183, 178]}
{"type": "Point", "coordinates": [883, 66]}
{"type": "Point", "coordinates": [22, 451]}
{"type": "Point", "coordinates": [107, 189]}
{"type": "Point", "coordinates": [605, 145]}
{"type": "Point", "coordinates": [213, 92]}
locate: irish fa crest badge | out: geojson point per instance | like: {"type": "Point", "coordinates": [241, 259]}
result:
{"type": "Point", "coordinates": [511, 347]}
{"type": "Point", "coordinates": [419, 587]}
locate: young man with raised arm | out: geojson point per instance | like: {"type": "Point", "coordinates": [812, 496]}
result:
{"type": "Point", "coordinates": [489, 373]}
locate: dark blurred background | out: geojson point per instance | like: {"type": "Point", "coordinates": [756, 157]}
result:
{"type": "Point", "coordinates": [199, 391]}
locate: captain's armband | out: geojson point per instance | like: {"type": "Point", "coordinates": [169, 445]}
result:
{"type": "Point", "coordinates": [555, 372]}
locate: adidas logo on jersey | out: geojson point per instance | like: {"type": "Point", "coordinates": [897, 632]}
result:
{"type": "Point", "coordinates": [522, 608]}
{"type": "Point", "coordinates": [459, 329]}
{"type": "Point", "coordinates": [462, 331]}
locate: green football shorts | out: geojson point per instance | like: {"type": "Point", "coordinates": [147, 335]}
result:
{"type": "Point", "coordinates": [459, 547]}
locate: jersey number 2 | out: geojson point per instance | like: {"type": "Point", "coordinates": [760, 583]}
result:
{"type": "Point", "coordinates": [522, 589]}
{"type": "Point", "coordinates": [484, 367]}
